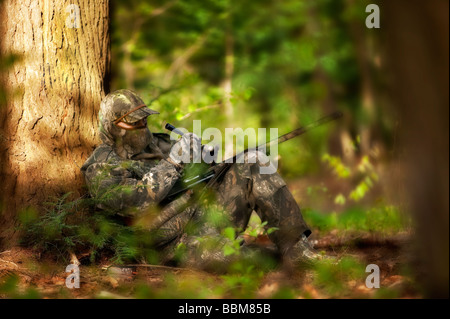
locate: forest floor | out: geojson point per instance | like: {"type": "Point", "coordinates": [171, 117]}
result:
{"type": "Point", "coordinates": [24, 275]}
{"type": "Point", "coordinates": [371, 235]}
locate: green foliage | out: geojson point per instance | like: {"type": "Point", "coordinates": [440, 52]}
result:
{"type": "Point", "coordinates": [370, 177]}
{"type": "Point", "coordinates": [259, 229]}
{"type": "Point", "coordinates": [334, 277]}
{"type": "Point", "coordinates": [336, 164]}
{"type": "Point", "coordinates": [9, 288]}
{"type": "Point", "coordinates": [364, 173]}
{"type": "Point", "coordinates": [285, 293]}
{"type": "Point", "coordinates": [242, 281]}
{"type": "Point", "coordinates": [321, 222]}
{"type": "Point", "coordinates": [340, 199]}
{"type": "Point", "coordinates": [234, 244]}
{"type": "Point", "coordinates": [291, 62]}
{"type": "Point", "coordinates": [386, 293]}
{"type": "Point", "coordinates": [380, 220]}
{"type": "Point", "coordinates": [72, 226]}
{"type": "Point", "coordinates": [51, 231]}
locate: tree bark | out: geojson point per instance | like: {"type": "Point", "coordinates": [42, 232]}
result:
{"type": "Point", "coordinates": [416, 34]}
{"type": "Point", "coordinates": [49, 124]}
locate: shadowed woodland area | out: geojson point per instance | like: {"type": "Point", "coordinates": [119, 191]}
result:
{"type": "Point", "coordinates": [373, 186]}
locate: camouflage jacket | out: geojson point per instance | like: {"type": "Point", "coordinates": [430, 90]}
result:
{"type": "Point", "coordinates": [122, 185]}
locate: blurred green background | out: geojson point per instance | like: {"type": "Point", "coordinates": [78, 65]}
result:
{"type": "Point", "coordinates": [258, 64]}
{"type": "Point", "coordinates": [284, 64]}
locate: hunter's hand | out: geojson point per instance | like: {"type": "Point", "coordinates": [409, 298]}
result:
{"type": "Point", "coordinates": [186, 150]}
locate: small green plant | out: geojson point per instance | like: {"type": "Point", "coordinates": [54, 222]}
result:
{"type": "Point", "coordinates": [55, 230]}
{"type": "Point", "coordinates": [233, 244]}
{"type": "Point", "coordinates": [68, 226]}
{"type": "Point", "coordinates": [336, 164]}
{"type": "Point", "coordinates": [259, 229]}
{"type": "Point", "coordinates": [364, 172]}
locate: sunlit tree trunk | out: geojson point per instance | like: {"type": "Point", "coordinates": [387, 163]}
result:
{"type": "Point", "coordinates": [49, 124]}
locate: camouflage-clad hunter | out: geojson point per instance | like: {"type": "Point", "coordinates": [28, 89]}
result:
{"type": "Point", "coordinates": [134, 170]}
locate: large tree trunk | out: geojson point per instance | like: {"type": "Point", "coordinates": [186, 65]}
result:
{"type": "Point", "coordinates": [417, 40]}
{"type": "Point", "coordinates": [49, 124]}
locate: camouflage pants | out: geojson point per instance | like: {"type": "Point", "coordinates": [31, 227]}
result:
{"type": "Point", "coordinates": [241, 191]}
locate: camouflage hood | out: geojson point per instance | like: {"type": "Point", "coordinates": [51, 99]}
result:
{"type": "Point", "coordinates": [115, 105]}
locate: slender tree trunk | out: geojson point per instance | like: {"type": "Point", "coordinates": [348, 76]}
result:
{"type": "Point", "coordinates": [49, 124]}
{"type": "Point", "coordinates": [364, 58]}
{"type": "Point", "coordinates": [227, 83]}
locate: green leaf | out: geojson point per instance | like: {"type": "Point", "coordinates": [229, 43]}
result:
{"type": "Point", "coordinates": [339, 199]}
{"type": "Point", "coordinates": [228, 250]}
{"type": "Point", "coordinates": [229, 233]}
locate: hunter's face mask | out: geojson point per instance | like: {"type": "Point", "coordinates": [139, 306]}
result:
{"type": "Point", "coordinates": [134, 141]}
{"type": "Point", "coordinates": [123, 123]}
{"type": "Point", "coordinates": [137, 135]}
